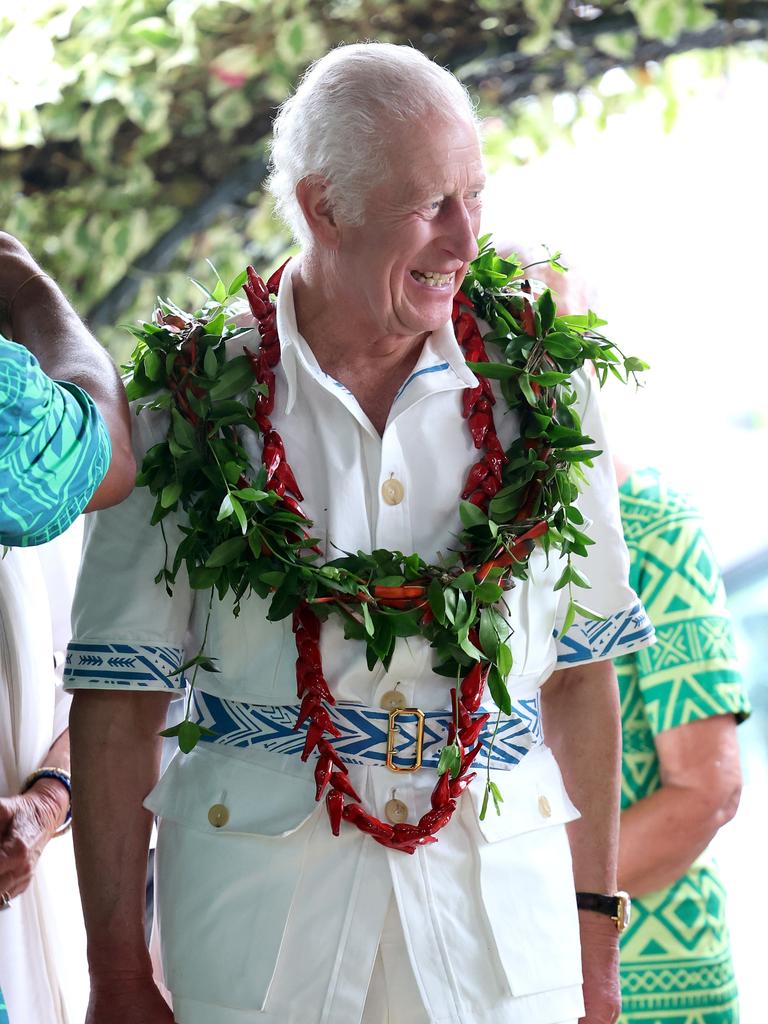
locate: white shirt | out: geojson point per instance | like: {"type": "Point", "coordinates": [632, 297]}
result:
{"type": "Point", "coordinates": [488, 912]}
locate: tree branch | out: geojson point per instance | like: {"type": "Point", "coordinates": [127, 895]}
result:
{"type": "Point", "coordinates": [230, 191]}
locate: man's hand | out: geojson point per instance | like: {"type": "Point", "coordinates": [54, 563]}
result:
{"type": "Point", "coordinates": [127, 999]}
{"type": "Point", "coordinates": [27, 822]}
{"type": "Point", "coordinates": [600, 966]}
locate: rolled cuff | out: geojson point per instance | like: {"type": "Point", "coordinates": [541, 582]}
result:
{"type": "Point", "coordinates": [623, 632]}
{"type": "Point", "coordinates": [93, 665]}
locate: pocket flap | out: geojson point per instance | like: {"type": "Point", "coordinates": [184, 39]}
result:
{"type": "Point", "coordinates": [533, 797]}
{"type": "Point", "coordinates": [215, 792]}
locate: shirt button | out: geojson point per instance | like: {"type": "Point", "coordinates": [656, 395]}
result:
{"type": "Point", "coordinates": [218, 815]}
{"type": "Point", "coordinates": [545, 808]}
{"type": "Point", "coordinates": [392, 491]}
{"type": "Point", "coordinates": [396, 811]}
{"type": "Point", "coordinates": [393, 700]}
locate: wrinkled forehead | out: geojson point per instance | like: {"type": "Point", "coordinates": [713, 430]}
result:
{"type": "Point", "coordinates": [433, 156]}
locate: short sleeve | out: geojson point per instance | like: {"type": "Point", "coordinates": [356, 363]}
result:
{"type": "Point", "coordinates": [127, 633]}
{"type": "Point", "coordinates": [692, 672]}
{"type": "Point", "coordinates": [625, 625]}
{"type": "Point", "coordinates": [54, 450]}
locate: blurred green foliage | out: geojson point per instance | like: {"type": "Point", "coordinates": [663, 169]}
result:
{"type": "Point", "coordinates": [118, 118]}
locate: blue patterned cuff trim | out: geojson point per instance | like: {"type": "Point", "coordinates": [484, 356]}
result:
{"type": "Point", "coordinates": [134, 666]}
{"type": "Point", "coordinates": [621, 633]}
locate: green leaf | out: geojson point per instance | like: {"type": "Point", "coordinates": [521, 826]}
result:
{"type": "Point", "coordinates": [239, 514]}
{"type": "Point", "coordinates": [272, 579]}
{"type": "Point", "coordinates": [484, 808]}
{"type": "Point", "coordinates": [497, 797]}
{"type": "Point", "coordinates": [437, 601]}
{"type": "Point", "coordinates": [631, 364]}
{"type": "Point", "coordinates": [545, 305]}
{"type": "Point", "coordinates": [367, 620]}
{"type": "Point", "coordinates": [495, 371]}
{"type": "Point", "coordinates": [471, 515]}
{"type": "Point", "coordinates": [153, 366]}
{"type": "Point", "coordinates": [189, 735]}
{"type": "Point", "coordinates": [450, 760]}
{"type": "Point", "coordinates": [226, 552]}
{"type": "Point", "coordinates": [525, 386]}
{"type": "Point", "coordinates": [579, 580]}
{"type": "Point", "coordinates": [570, 615]}
{"type": "Point", "coordinates": [499, 691]}
{"type": "Point", "coordinates": [489, 592]}
{"type": "Point", "coordinates": [565, 578]}
{"type": "Point", "coordinates": [210, 363]}
{"type": "Point", "coordinates": [235, 377]}
{"type": "Point", "coordinates": [226, 508]}
{"type": "Point", "coordinates": [170, 494]}
{"type": "Point", "coordinates": [237, 283]}
{"type": "Point", "coordinates": [183, 431]}
{"type": "Point", "coordinates": [504, 660]}
{"type": "Point", "coordinates": [251, 494]}
{"type": "Point", "coordinates": [588, 613]}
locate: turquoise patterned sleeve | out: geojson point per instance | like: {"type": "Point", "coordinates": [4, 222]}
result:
{"type": "Point", "coordinates": [54, 450]}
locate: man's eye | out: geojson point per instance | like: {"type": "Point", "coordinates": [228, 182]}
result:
{"type": "Point", "coordinates": [435, 205]}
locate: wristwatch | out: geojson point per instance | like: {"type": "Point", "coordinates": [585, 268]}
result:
{"type": "Point", "coordinates": [618, 906]}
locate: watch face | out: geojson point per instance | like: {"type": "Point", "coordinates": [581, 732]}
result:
{"type": "Point", "coordinates": [624, 910]}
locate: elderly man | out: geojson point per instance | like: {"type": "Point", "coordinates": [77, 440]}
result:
{"type": "Point", "coordinates": [264, 915]}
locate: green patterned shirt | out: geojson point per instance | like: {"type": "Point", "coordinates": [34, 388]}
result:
{"type": "Point", "coordinates": [54, 450]}
{"type": "Point", "coordinates": [675, 957]}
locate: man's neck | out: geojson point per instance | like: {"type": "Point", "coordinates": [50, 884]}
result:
{"type": "Point", "coordinates": [372, 365]}
{"type": "Point", "coordinates": [340, 335]}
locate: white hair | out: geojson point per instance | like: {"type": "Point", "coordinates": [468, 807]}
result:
{"type": "Point", "coordinates": [332, 125]}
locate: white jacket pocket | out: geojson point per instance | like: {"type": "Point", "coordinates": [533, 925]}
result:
{"type": "Point", "coordinates": [526, 875]}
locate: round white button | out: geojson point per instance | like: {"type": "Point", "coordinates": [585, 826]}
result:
{"type": "Point", "coordinates": [396, 812]}
{"type": "Point", "coordinates": [218, 815]}
{"type": "Point", "coordinates": [393, 700]}
{"type": "Point", "coordinates": [392, 491]}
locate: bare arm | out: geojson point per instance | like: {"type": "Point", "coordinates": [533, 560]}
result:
{"type": "Point", "coordinates": [582, 724]}
{"type": "Point", "coordinates": [45, 323]}
{"type": "Point", "coordinates": [664, 833]}
{"type": "Point", "coordinates": [115, 763]}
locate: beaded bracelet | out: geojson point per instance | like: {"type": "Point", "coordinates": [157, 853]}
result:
{"type": "Point", "coordinates": [65, 779]}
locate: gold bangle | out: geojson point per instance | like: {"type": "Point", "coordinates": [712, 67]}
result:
{"type": "Point", "coordinates": [23, 284]}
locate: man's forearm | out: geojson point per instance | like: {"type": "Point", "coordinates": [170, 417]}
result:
{"type": "Point", "coordinates": [115, 762]}
{"type": "Point", "coordinates": [582, 725]}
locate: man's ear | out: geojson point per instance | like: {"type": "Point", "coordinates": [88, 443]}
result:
{"type": "Point", "coordinates": [312, 196]}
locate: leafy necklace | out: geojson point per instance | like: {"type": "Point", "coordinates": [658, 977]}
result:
{"type": "Point", "coordinates": [251, 535]}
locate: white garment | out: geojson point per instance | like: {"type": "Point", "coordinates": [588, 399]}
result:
{"type": "Point", "coordinates": [43, 972]}
{"type": "Point", "coordinates": [270, 918]}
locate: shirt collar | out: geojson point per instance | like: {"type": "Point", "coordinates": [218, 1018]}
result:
{"type": "Point", "coordinates": [440, 348]}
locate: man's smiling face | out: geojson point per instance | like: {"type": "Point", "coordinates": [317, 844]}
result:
{"type": "Point", "coordinates": [409, 257]}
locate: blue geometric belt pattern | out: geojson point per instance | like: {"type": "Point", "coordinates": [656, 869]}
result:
{"type": "Point", "coordinates": [364, 730]}
{"type": "Point", "coordinates": [621, 633]}
{"type": "Point", "coordinates": [107, 665]}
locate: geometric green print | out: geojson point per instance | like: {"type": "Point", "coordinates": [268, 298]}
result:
{"type": "Point", "coordinates": [54, 450]}
{"type": "Point", "coordinates": [675, 957]}
{"type": "Point", "coordinates": [3, 1010]}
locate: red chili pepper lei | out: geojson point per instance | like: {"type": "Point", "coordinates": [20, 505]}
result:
{"type": "Point", "coordinates": [482, 482]}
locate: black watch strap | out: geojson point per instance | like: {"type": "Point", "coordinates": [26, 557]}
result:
{"type": "Point", "coordinates": [598, 902]}
{"type": "Point", "coordinates": [616, 907]}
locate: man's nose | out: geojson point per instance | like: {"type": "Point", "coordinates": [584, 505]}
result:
{"type": "Point", "coordinates": [461, 236]}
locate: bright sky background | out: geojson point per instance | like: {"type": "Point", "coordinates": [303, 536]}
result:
{"type": "Point", "coordinates": [671, 230]}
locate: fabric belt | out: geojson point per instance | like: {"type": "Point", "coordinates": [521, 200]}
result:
{"type": "Point", "coordinates": [364, 731]}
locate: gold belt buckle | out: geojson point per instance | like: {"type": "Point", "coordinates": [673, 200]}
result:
{"type": "Point", "coordinates": [393, 715]}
